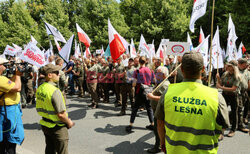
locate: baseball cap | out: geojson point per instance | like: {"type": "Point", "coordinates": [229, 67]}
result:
{"type": "Point", "coordinates": [3, 60]}
{"type": "Point", "coordinates": [49, 68]}
{"type": "Point", "coordinates": [192, 61]}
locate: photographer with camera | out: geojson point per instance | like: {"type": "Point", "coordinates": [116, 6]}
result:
{"type": "Point", "coordinates": [11, 126]}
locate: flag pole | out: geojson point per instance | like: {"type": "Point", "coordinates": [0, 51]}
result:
{"type": "Point", "coordinates": [210, 58]}
{"type": "Point", "coordinates": [166, 78]}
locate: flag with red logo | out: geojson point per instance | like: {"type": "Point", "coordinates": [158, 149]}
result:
{"type": "Point", "coordinates": [117, 43]}
{"type": "Point", "coordinates": [57, 45]}
{"type": "Point", "coordinates": [217, 59]}
{"type": "Point", "coordinates": [143, 46]}
{"type": "Point", "coordinates": [9, 50]}
{"type": "Point", "coordinates": [231, 45]}
{"type": "Point", "coordinates": [33, 55]}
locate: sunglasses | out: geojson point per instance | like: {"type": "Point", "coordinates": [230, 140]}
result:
{"type": "Point", "coordinates": [56, 72]}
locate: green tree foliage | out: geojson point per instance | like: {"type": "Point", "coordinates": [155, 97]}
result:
{"type": "Point", "coordinates": [19, 26]}
{"type": "Point", "coordinates": [155, 19]}
{"type": "Point", "coordinates": [93, 19]}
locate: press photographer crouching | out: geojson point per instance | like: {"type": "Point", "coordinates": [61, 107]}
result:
{"type": "Point", "coordinates": [11, 126]}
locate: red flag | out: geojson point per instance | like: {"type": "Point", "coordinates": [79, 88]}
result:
{"type": "Point", "coordinates": [83, 37]}
{"type": "Point", "coordinates": [117, 43]}
{"type": "Point", "coordinates": [243, 49]}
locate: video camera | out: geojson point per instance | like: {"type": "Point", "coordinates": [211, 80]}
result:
{"type": "Point", "coordinates": [12, 66]}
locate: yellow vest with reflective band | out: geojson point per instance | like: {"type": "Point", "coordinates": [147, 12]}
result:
{"type": "Point", "coordinates": [44, 105]}
{"type": "Point", "coordinates": [190, 119]}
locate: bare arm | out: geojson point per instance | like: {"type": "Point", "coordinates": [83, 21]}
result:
{"type": "Point", "coordinates": [64, 118]}
{"type": "Point", "coordinates": [161, 131]}
{"type": "Point", "coordinates": [17, 79]}
{"type": "Point", "coordinates": [153, 97]}
{"type": "Point", "coordinates": [69, 69]}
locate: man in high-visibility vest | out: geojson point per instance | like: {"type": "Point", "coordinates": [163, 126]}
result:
{"type": "Point", "coordinates": [50, 104]}
{"type": "Point", "coordinates": [192, 114]}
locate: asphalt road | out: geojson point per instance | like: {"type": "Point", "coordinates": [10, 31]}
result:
{"type": "Point", "coordinates": [101, 131]}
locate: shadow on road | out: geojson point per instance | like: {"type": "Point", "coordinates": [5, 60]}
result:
{"type": "Point", "coordinates": [77, 114]}
{"type": "Point", "coordinates": [116, 130]}
{"type": "Point", "coordinates": [140, 146]}
{"type": "Point", "coordinates": [32, 126]}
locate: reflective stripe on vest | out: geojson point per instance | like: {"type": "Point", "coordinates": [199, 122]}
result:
{"type": "Point", "coordinates": [190, 118]}
{"type": "Point", "coordinates": [44, 105]}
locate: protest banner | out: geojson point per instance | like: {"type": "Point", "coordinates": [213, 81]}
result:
{"type": "Point", "coordinates": [9, 51]}
{"type": "Point", "coordinates": [33, 55]}
{"type": "Point", "coordinates": [177, 48]}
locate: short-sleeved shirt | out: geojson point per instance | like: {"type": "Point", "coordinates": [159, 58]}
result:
{"type": "Point", "coordinates": [222, 116]}
{"type": "Point", "coordinates": [159, 92]}
{"type": "Point", "coordinates": [229, 80]}
{"type": "Point", "coordinates": [245, 78]}
{"type": "Point", "coordinates": [62, 80]}
{"type": "Point", "coordinates": [6, 85]}
{"type": "Point", "coordinates": [57, 100]}
{"type": "Point", "coordinates": [118, 70]}
{"type": "Point", "coordinates": [129, 74]}
{"type": "Point", "coordinates": [92, 72]}
{"type": "Point", "coordinates": [144, 75]}
{"type": "Point", "coordinates": [70, 64]}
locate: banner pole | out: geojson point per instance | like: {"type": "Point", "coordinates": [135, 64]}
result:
{"type": "Point", "coordinates": [211, 46]}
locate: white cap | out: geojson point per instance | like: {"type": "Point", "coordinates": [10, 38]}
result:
{"type": "Point", "coordinates": [3, 60]}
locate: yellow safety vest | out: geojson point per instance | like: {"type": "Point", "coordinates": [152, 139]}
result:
{"type": "Point", "coordinates": [44, 105]}
{"type": "Point", "coordinates": [190, 119]}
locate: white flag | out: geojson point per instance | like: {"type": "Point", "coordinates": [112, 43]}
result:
{"type": "Point", "coordinates": [189, 41]}
{"type": "Point", "coordinates": [203, 49]}
{"type": "Point", "coordinates": [33, 40]}
{"type": "Point", "coordinates": [216, 51]}
{"type": "Point", "coordinates": [239, 54]}
{"type": "Point", "coordinates": [231, 46]}
{"type": "Point", "coordinates": [51, 30]}
{"type": "Point", "coordinates": [145, 50]}
{"type": "Point", "coordinates": [33, 55]}
{"type": "Point", "coordinates": [152, 49]}
{"type": "Point", "coordinates": [65, 52]}
{"type": "Point", "coordinates": [199, 9]}
{"type": "Point", "coordinates": [51, 48]}
{"type": "Point", "coordinates": [77, 50]}
{"type": "Point", "coordinates": [132, 49]}
{"type": "Point", "coordinates": [9, 50]}
{"type": "Point", "coordinates": [18, 48]}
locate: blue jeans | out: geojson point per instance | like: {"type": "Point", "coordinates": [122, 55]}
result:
{"type": "Point", "coordinates": [71, 83]}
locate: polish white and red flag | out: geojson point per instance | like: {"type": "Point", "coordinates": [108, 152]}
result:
{"type": "Point", "coordinates": [159, 53]}
{"type": "Point", "coordinates": [57, 45]}
{"type": "Point", "coordinates": [199, 9]}
{"type": "Point", "coordinates": [117, 43]}
{"type": "Point", "coordinates": [132, 49]}
{"type": "Point", "coordinates": [83, 37]}
{"type": "Point", "coordinates": [202, 36]}
{"type": "Point", "coordinates": [102, 51]}
{"type": "Point", "coordinates": [87, 53]}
